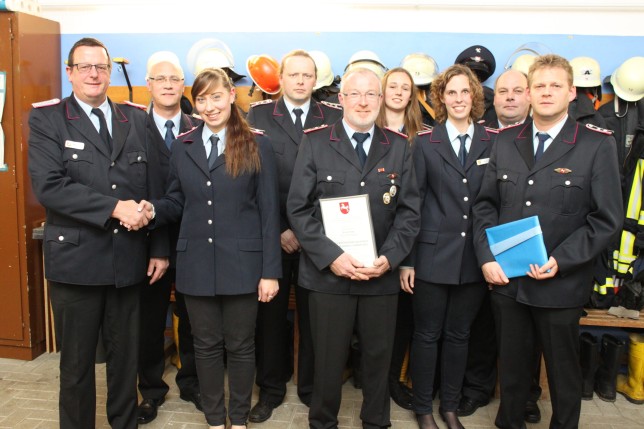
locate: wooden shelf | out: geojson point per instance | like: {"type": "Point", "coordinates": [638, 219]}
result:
{"type": "Point", "coordinates": [602, 318]}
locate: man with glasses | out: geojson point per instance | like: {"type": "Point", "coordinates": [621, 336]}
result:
{"type": "Point", "coordinates": [165, 83]}
{"type": "Point", "coordinates": [351, 157]}
{"type": "Point", "coordinates": [283, 122]}
{"type": "Point", "coordinates": [91, 162]}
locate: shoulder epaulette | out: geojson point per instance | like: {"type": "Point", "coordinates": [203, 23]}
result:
{"type": "Point", "coordinates": [259, 103]}
{"type": "Point", "coordinates": [257, 131]}
{"type": "Point", "coordinates": [427, 127]}
{"type": "Point", "coordinates": [195, 115]}
{"type": "Point", "coordinates": [397, 132]}
{"type": "Point", "coordinates": [599, 130]}
{"type": "Point", "coordinates": [492, 130]}
{"type": "Point", "coordinates": [425, 132]}
{"type": "Point", "coordinates": [187, 132]}
{"type": "Point", "coordinates": [332, 105]}
{"type": "Point", "coordinates": [511, 126]}
{"type": "Point", "coordinates": [481, 122]}
{"type": "Point", "coordinates": [310, 130]}
{"type": "Point", "coordinates": [138, 106]}
{"type": "Point", "coordinates": [46, 103]}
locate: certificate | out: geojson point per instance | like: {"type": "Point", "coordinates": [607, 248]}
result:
{"type": "Point", "coordinates": [347, 221]}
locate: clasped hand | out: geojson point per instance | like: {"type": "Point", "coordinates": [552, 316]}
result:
{"type": "Point", "coordinates": [133, 215]}
{"type": "Point", "coordinates": [347, 266]}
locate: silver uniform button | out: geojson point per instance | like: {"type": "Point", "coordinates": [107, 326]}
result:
{"type": "Point", "coordinates": [464, 216]}
{"type": "Point", "coordinates": [61, 238]}
{"type": "Point", "coordinates": [209, 202]}
{"type": "Point", "coordinates": [567, 182]}
{"type": "Point", "coordinates": [209, 221]}
{"type": "Point", "coordinates": [528, 203]}
{"type": "Point", "coordinates": [112, 164]}
{"type": "Point", "coordinates": [138, 158]}
{"type": "Point", "coordinates": [75, 156]}
{"type": "Point", "coordinates": [113, 186]}
{"type": "Point", "coordinates": [505, 176]}
{"type": "Point", "coordinates": [116, 231]}
{"type": "Point", "coordinates": [530, 182]}
{"type": "Point", "coordinates": [208, 183]}
{"type": "Point", "coordinates": [329, 178]}
{"type": "Point", "coordinates": [462, 234]}
{"type": "Point", "coordinates": [210, 240]}
{"type": "Point", "coordinates": [361, 183]}
{"type": "Point", "coordinates": [466, 199]}
{"type": "Point", "coordinates": [464, 180]}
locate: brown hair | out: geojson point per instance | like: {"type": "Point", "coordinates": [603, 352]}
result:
{"type": "Point", "coordinates": [242, 152]}
{"type": "Point", "coordinates": [413, 118]}
{"type": "Point", "coordinates": [440, 83]}
{"type": "Point", "coordinates": [91, 42]}
{"type": "Point", "coordinates": [298, 53]}
{"type": "Point", "coordinates": [550, 61]}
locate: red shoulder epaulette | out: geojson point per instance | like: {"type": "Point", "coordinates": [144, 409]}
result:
{"type": "Point", "coordinates": [492, 130]}
{"type": "Point", "coordinates": [138, 106]}
{"type": "Point", "coordinates": [481, 122]}
{"type": "Point", "coordinates": [332, 105]}
{"type": "Point", "coordinates": [46, 103]}
{"type": "Point", "coordinates": [599, 130]}
{"type": "Point", "coordinates": [187, 132]}
{"type": "Point", "coordinates": [425, 132]}
{"type": "Point", "coordinates": [259, 103]}
{"type": "Point", "coordinates": [397, 132]}
{"type": "Point", "coordinates": [321, 127]}
{"type": "Point", "coordinates": [511, 126]}
{"type": "Point", "coordinates": [257, 131]}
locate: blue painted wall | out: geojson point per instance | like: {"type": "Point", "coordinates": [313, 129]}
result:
{"type": "Point", "coordinates": [610, 51]}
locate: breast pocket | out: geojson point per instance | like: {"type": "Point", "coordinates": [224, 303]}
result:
{"type": "Point", "coordinates": [507, 184]}
{"type": "Point", "coordinates": [330, 182]}
{"type": "Point", "coordinates": [79, 165]}
{"type": "Point", "coordinates": [566, 194]}
{"type": "Point", "coordinates": [138, 162]}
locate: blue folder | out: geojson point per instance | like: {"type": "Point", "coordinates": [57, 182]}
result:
{"type": "Point", "coordinates": [516, 245]}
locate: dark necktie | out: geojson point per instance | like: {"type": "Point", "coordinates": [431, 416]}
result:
{"type": "Point", "coordinates": [298, 122]}
{"type": "Point", "coordinates": [102, 129]}
{"type": "Point", "coordinates": [540, 147]}
{"type": "Point", "coordinates": [462, 151]}
{"type": "Point", "coordinates": [214, 151]}
{"type": "Point", "coordinates": [169, 135]}
{"type": "Point", "coordinates": [360, 139]}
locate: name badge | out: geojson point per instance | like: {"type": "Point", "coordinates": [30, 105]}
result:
{"type": "Point", "coordinates": [74, 145]}
{"type": "Point", "coordinates": [482, 161]}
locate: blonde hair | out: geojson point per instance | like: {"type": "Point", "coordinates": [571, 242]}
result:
{"type": "Point", "coordinates": [413, 118]}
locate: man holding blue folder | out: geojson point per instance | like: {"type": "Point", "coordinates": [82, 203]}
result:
{"type": "Point", "coordinates": [566, 174]}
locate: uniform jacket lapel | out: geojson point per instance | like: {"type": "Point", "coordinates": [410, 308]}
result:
{"type": "Point", "coordinates": [523, 143]}
{"type": "Point", "coordinates": [380, 145]}
{"type": "Point", "coordinates": [315, 117]}
{"type": "Point", "coordinates": [480, 142]}
{"type": "Point", "coordinates": [439, 136]}
{"type": "Point", "coordinates": [563, 143]}
{"type": "Point", "coordinates": [283, 118]}
{"type": "Point", "coordinates": [79, 121]}
{"type": "Point", "coordinates": [120, 130]}
{"type": "Point", "coordinates": [195, 149]}
{"type": "Point", "coordinates": [341, 143]}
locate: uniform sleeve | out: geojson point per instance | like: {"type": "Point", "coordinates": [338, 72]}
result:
{"type": "Point", "coordinates": [420, 170]}
{"type": "Point", "coordinates": [485, 212]}
{"type": "Point", "coordinates": [301, 206]}
{"type": "Point", "coordinates": [169, 207]}
{"type": "Point", "coordinates": [159, 237]}
{"type": "Point", "coordinates": [53, 187]}
{"type": "Point", "coordinates": [268, 201]}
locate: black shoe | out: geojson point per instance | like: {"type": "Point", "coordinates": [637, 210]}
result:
{"type": "Point", "coordinates": [147, 410]}
{"type": "Point", "coordinates": [194, 397]}
{"type": "Point", "coordinates": [451, 419]}
{"type": "Point", "coordinates": [401, 395]}
{"type": "Point", "coordinates": [468, 406]}
{"type": "Point", "coordinates": [261, 412]}
{"type": "Point", "coordinates": [426, 421]}
{"type": "Point", "coordinates": [532, 413]}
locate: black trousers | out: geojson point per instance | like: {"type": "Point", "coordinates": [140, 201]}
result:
{"type": "Point", "coordinates": [155, 300]}
{"type": "Point", "coordinates": [80, 312]}
{"type": "Point", "coordinates": [403, 335]}
{"type": "Point", "coordinates": [333, 318]}
{"type": "Point", "coordinates": [481, 373]}
{"type": "Point", "coordinates": [520, 328]}
{"type": "Point", "coordinates": [273, 340]}
{"type": "Point", "coordinates": [217, 322]}
{"type": "Point", "coordinates": [441, 311]}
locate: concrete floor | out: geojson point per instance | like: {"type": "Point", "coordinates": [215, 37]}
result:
{"type": "Point", "coordinates": [29, 399]}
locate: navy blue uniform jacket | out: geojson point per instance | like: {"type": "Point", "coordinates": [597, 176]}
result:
{"type": "Point", "coordinates": [229, 234]}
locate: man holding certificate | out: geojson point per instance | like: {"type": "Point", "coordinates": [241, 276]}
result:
{"type": "Point", "coordinates": [566, 174]}
{"type": "Point", "coordinates": [335, 165]}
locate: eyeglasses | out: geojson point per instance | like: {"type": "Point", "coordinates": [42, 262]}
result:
{"type": "Point", "coordinates": [85, 68]}
{"type": "Point", "coordinates": [357, 96]}
{"type": "Point", "coordinates": [165, 79]}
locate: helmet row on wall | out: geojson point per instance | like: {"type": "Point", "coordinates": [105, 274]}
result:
{"type": "Point", "coordinates": [627, 80]}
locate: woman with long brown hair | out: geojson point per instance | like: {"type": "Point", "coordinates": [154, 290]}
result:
{"type": "Point", "coordinates": [223, 189]}
{"type": "Point", "coordinates": [400, 111]}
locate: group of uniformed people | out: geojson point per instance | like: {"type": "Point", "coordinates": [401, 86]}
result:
{"type": "Point", "coordinates": [137, 200]}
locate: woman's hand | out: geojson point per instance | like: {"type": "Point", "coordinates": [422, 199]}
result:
{"type": "Point", "coordinates": [267, 289]}
{"type": "Point", "coordinates": [407, 276]}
